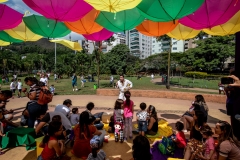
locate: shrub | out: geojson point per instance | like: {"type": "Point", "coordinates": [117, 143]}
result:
{"type": "Point", "coordinates": [196, 74]}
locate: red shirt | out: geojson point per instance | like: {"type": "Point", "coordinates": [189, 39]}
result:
{"type": "Point", "coordinates": [47, 153]}
{"type": "Point", "coordinates": [181, 140]}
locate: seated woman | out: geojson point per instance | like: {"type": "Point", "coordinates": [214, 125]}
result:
{"type": "Point", "coordinates": [152, 128]}
{"type": "Point", "coordinates": [188, 119]}
{"type": "Point", "coordinates": [84, 132]}
{"type": "Point", "coordinates": [228, 148]}
{"type": "Point", "coordinates": [195, 134]}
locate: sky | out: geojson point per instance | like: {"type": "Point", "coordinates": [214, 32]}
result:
{"type": "Point", "coordinates": [21, 7]}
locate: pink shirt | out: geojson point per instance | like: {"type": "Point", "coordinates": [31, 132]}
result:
{"type": "Point", "coordinates": [209, 145]}
{"type": "Point", "coordinates": [128, 110]}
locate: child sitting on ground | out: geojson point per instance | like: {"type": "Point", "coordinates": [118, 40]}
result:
{"type": "Point", "coordinates": [52, 147]}
{"type": "Point", "coordinates": [97, 153]}
{"type": "Point", "coordinates": [180, 139]}
{"type": "Point", "coordinates": [142, 116]}
{"type": "Point", "coordinates": [52, 89]}
{"type": "Point", "coordinates": [74, 118]}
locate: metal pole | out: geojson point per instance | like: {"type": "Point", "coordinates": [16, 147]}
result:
{"type": "Point", "coordinates": [55, 56]}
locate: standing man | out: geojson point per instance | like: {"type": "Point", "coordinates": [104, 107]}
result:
{"type": "Point", "coordinates": [152, 76]}
{"type": "Point", "coordinates": [123, 85]}
{"type": "Point", "coordinates": [111, 80]}
{"type": "Point", "coordinates": [44, 79]}
{"type": "Point", "coordinates": [74, 82]}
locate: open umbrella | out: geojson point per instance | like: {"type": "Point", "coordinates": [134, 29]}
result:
{"type": "Point", "coordinates": [72, 45]}
{"type": "Point", "coordinates": [182, 32]}
{"type": "Point", "coordinates": [9, 18]}
{"type": "Point", "coordinates": [3, 43]}
{"type": "Point", "coordinates": [2, 1]}
{"type": "Point", "coordinates": [46, 27]}
{"type": "Point", "coordinates": [21, 32]}
{"type": "Point", "coordinates": [150, 28]}
{"type": "Point", "coordinates": [168, 10]}
{"type": "Point", "coordinates": [60, 10]}
{"type": "Point", "coordinates": [85, 25]}
{"type": "Point", "coordinates": [211, 13]}
{"type": "Point", "coordinates": [113, 5]}
{"type": "Point", "coordinates": [230, 27]}
{"type": "Point", "coordinates": [99, 36]}
{"type": "Point", "coordinates": [126, 20]}
{"type": "Point", "coordinates": [7, 38]}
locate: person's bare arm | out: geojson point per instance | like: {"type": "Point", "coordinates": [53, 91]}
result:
{"type": "Point", "coordinates": [237, 81]}
{"type": "Point", "coordinates": [10, 123]}
{"type": "Point", "coordinates": [98, 133]}
{"type": "Point", "coordinates": [39, 127]}
{"type": "Point", "coordinates": [56, 147]}
{"type": "Point", "coordinates": [152, 120]}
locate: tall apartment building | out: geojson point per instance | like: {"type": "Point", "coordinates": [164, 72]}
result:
{"type": "Point", "coordinates": [139, 44]}
{"type": "Point", "coordinates": [120, 38]}
{"type": "Point", "coordinates": [164, 46]}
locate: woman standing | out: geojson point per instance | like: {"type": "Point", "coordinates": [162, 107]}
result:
{"type": "Point", "coordinates": [84, 132]}
{"type": "Point", "coordinates": [33, 107]}
{"type": "Point", "coordinates": [152, 128]}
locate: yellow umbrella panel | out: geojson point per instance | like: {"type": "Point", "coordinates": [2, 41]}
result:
{"type": "Point", "coordinates": [182, 32]}
{"type": "Point", "coordinates": [3, 43]}
{"type": "Point", "coordinates": [113, 5]}
{"type": "Point", "coordinates": [230, 27]}
{"type": "Point", "coordinates": [21, 32]}
{"type": "Point", "coordinates": [72, 45]}
{"type": "Point", "coordinates": [2, 1]}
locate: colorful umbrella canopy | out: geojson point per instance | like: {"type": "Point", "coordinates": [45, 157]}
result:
{"type": "Point", "coordinates": [125, 20]}
{"type": "Point", "coordinates": [7, 38]}
{"type": "Point", "coordinates": [182, 32]}
{"type": "Point", "coordinates": [150, 28]}
{"type": "Point", "coordinates": [230, 27]}
{"type": "Point", "coordinates": [3, 43]}
{"type": "Point", "coordinates": [72, 45]}
{"type": "Point", "coordinates": [2, 1]}
{"type": "Point", "coordinates": [211, 13]}
{"type": "Point", "coordinates": [168, 10]}
{"type": "Point", "coordinates": [60, 10]}
{"type": "Point", "coordinates": [46, 27]}
{"type": "Point", "coordinates": [9, 18]}
{"type": "Point", "coordinates": [21, 32]}
{"type": "Point", "coordinates": [99, 36]}
{"type": "Point", "coordinates": [85, 25]}
{"type": "Point", "coordinates": [113, 5]}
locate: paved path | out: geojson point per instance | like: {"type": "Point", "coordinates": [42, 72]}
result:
{"type": "Point", "coordinates": [169, 109]}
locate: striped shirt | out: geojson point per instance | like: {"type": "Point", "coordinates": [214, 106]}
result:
{"type": "Point", "coordinates": [37, 89]}
{"type": "Point", "coordinates": [100, 156]}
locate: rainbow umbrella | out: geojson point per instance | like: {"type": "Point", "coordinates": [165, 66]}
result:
{"type": "Point", "coordinates": [21, 32]}
{"type": "Point", "coordinates": [150, 28]}
{"type": "Point", "coordinates": [99, 36]}
{"type": "Point", "coordinates": [9, 18]}
{"type": "Point", "coordinates": [46, 27]}
{"type": "Point", "coordinates": [113, 5]}
{"type": "Point", "coordinates": [60, 10]}
{"type": "Point", "coordinates": [3, 43]}
{"type": "Point", "coordinates": [72, 45]}
{"type": "Point", "coordinates": [7, 38]}
{"type": "Point", "coordinates": [85, 25]}
{"type": "Point", "coordinates": [211, 13]}
{"type": "Point", "coordinates": [125, 20]}
{"type": "Point", "coordinates": [168, 10]}
{"type": "Point", "coordinates": [182, 32]}
{"type": "Point", "coordinates": [230, 27]}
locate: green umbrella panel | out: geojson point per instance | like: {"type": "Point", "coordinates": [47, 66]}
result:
{"type": "Point", "coordinates": [46, 27]}
{"type": "Point", "coordinates": [168, 10]}
{"type": "Point", "coordinates": [7, 38]}
{"type": "Point", "coordinates": [120, 21]}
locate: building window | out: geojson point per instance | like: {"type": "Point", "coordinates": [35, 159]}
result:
{"type": "Point", "coordinates": [159, 50]}
{"type": "Point", "coordinates": [153, 41]}
{"type": "Point", "coordinates": [153, 50]}
{"type": "Point", "coordinates": [174, 48]}
{"type": "Point", "coordinates": [159, 45]}
{"type": "Point", "coordinates": [153, 45]}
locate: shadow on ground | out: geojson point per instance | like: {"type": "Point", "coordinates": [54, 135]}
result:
{"type": "Point", "coordinates": [170, 116]}
{"type": "Point", "coordinates": [223, 111]}
{"type": "Point", "coordinates": [31, 155]}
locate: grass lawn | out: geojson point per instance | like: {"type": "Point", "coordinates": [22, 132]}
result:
{"type": "Point", "coordinates": [64, 86]}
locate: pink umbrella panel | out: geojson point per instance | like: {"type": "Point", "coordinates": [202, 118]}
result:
{"type": "Point", "coordinates": [60, 10]}
{"type": "Point", "coordinates": [99, 36]}
{"type": "Point", "coordinates": [211, 13]}
{"type": "Point", "coordinates": [9, 18]}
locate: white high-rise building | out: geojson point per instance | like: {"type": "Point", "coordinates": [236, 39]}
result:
{"type": "Point", "coordinates": [120, 38]}
{"type": "Point", "coordinates": [139, 44]}
{"type": "Point", "coordinates": [164, 46]}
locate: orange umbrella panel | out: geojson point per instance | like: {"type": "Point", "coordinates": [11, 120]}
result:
{"type": "Point", "coordinates": [150, 28]}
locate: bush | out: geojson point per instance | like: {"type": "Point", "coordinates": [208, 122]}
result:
{"type": "Point", "coordinates": [196, 74]}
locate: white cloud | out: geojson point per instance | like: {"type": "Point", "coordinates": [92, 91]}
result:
{"type": "Point", "coordinates": [20, 6]}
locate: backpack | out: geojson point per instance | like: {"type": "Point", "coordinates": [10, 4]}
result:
{"type": "Point", "coordinates": [167, 146]}
{"type": "Point", "coordinates": [45, 96]}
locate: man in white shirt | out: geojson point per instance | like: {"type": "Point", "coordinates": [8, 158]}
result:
{"type": "Point", "coordinates": [65, 107]}
{"type": "Point", "coordinates": [123, 85]}
{"type": "Point", "coordinates": [44, 79]}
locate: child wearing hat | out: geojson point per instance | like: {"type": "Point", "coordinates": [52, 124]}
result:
{"type": "Point", "coordinates": [97, 153]}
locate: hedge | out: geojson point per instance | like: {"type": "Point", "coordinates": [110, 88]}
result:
{"type": "Point", "coordinates": [202, 75]}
